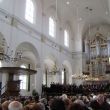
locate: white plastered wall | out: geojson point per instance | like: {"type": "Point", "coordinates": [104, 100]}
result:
{"type": "Point", "coordinates": [21, 31]}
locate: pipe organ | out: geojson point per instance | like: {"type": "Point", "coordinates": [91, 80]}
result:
{"type": "Point", "coordinates": [97, 52]}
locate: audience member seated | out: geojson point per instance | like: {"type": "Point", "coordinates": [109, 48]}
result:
{"type": "Point", "coordinates": [76, 106]}
{"type": "Point", "coordinates": [64, 96]}
{"type": "Point", "coordinates": [57, 104]}
{"type": "Point", "coordinates": [44, 101]}
{"type": "Point", "coordinates": [5, 105]}
{"type": "Point", "coordinates": [100, 103]}
{"type": "Point", "coordinates": [67, 103]}
{"type": "Point", "coordinates": [81, 103]}
{"type": "Point", "coordinates": [15, 105]}
{"type": "Point", "coordinates": [35, 106]}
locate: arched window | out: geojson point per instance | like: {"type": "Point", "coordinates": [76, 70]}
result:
{"type": "Point", "coordinates": [52, 27]}
{"type": "Point", "coordinates": [66, 38]}
{"type": "Point", "coordinates": [23, 78]}
{"type": "Point", "coordinates": [29, 13]}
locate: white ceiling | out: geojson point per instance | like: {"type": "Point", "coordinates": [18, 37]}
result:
{"type": "Point", "coordinates": [84, 12]}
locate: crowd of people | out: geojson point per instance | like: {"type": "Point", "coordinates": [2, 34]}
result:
{"type": "Point", "coordinates": [63, 102]}
{"type": "Point", "coordinates": [85, 97]}
{"type": "Point", "coordinates": [73, 89]}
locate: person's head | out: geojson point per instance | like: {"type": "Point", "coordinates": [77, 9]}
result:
{"type": "Point", "coordinates": [5, 105]}
{"type": "Point", "coordinates": [100, 99]}
{"type": "Point", "coordinates": [41, 106]}
{"type": "Point", "coordinates": [78, 101]}
{"type": "Point", "coordinates": [15, 105]}
{"type": "Point", "coordinates": [64, 96]}
{"type": "Point", "coordinates": [67, 103]}
{"type": "Point", "coordinates": [37, 106]}
{"type": "Point", "coordinates": [76, 106]}
{"type": "Point", "coordinates": [44, 101]}
{"type": "Point", "coordinates": [57, 104]}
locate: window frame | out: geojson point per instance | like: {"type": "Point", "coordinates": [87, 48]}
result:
{"type": "Point", "coordinates": [30, 15]}
{"type": "Point", "coordinates": [52, 27]}
{"type": "Point", "coordinates": [66, 38]}
{"type": "Point", "coordinates": [62, 77]}
{"type": "Point", "coordinates": [23, 84]}
{"type": "Point", "coordinates": [0, 63]}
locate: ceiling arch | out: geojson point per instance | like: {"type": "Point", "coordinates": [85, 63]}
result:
{"type": "Point", "coordinates": [29, 54]}
{"type": "Point", "coordinates": [103, 29]}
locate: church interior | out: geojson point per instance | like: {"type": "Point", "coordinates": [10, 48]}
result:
{"type": "Point", "coordinates": [55, 51]}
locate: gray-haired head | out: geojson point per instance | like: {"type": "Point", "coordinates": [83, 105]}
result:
{"type": "Point", "coordinates": [15, 105]}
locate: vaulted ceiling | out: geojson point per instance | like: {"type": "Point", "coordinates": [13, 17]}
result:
{"type": "Point", "coordinates": [82, 12]}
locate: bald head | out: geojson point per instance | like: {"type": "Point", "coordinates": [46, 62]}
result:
{"type": "Point", "coordinates": [15, 105]}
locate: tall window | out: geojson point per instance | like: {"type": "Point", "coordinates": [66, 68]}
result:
{"type": "Point", "coordinates": [62, 77]}
{"type": "Point", "coordinates": [52, 27]}
{"type": "Point", "coordinates": [109, 60]}
{"type": "Point", "coordinates": [0, 64]}
{"type": "Point", "coordinates": [29, 13]}
{"type": "Point", "coordinates": [23, 79]}
{"type": "Point", "coordinates": [66, 38]}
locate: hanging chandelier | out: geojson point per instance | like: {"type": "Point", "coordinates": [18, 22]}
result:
{"type": "Point", "coordinates": [54, 69]}
{"type": "Point", "coordinates": [6, 54]}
